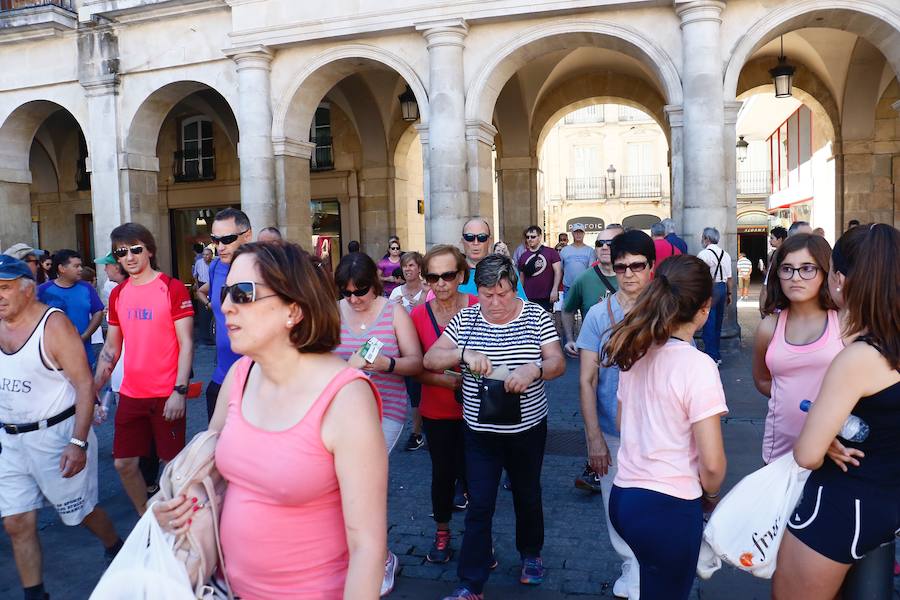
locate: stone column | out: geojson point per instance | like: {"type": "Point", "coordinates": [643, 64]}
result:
{"type": "Point", "coordinates": [15, 204]}
{"type": "Point", "coordinates": [293, 189]}
{"type": "Point", "coordinates": [705, 202]}
{"type": "Point", "coordinates": [518, 197]}
{"type": "Point", "coordinates": [730, 326]}
{"type": "Point", "coordinates": [479, 148]}
{"type": "Point", "coordinates": [255, 124]}
{"type": "Point", "coordinates": [675, 115]}
{"type": "Point", "coordinates": [448, 202]}
{"type": "Point", "coordinates": [426, 182]}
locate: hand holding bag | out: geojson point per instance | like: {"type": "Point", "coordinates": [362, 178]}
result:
{"type": "Point", "coordinates": [496, 406]}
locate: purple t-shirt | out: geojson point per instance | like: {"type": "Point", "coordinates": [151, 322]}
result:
{"type": "Point", "coordinates": [537, 271]}
{"type": "Point", "coordinates": [387, 268]}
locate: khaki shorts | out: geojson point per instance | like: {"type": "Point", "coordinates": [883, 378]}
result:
{"type": "Point", "coordinates": [31, 479]}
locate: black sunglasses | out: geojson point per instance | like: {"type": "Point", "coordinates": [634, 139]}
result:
{"type": "Point", "coordinates": [601, 243]}
{"type": "Point", "coordinates": [242, 292]}
{"type": "Point", "coordinates": [123, 252]}
{"type": "Point", "coordinates": [433, 277]}
{"type": "Point", "coordinates": [636, 267]}
{"type": "Point", "coordinates": [359, 292]}
{"type": "Point", "coordinates": [227, 239]}
{"type": "Point", "coordinates": [481, 237]}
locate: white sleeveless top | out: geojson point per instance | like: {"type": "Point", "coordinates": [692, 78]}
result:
{"type": "Point", "coordinates": [31, 388]}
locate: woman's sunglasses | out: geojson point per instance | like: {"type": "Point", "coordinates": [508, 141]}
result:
{"type": "Point", "coordinates": [394, 248]}
{"type": "Point", "coordinates": [433, 277]}
{"type": "Point", "coordinates": [123, 252]}
{"type": "Point", "coordinates": [359, 292]}
{"type": "Point", "coordinates": [636, 267]}
{"type": "Point", "coordinates": [242, 292]}
{"type": "Point", "coordinates": [227, 239]}
{"type": "Point", "coordinates": [481, 237]}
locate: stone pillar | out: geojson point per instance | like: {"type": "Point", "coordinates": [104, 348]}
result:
{"type": "Point", "coordinates": [448, 202]}
{"type": "Point", "coordinates": [426, 183]}
{"type": "Point", "coordinates": [518, 197]}
{"type": "Point", "coordinates": [15, 203]}
{"type": "Point", "coordinates": [139, 185]}
{"type": "Point", "coordinates": [705, 203]}
{"type": "Point", "coordinates": [375, 219]}
{"type": "Point", "coordinates": [479, 148]}
{"type": "Point", "coordinates": [255, 147]}
{"type": "Point", "coordinates": [293, 190]}
{"type": "Point", "coordinates": [675, 115]}
{"type": "Point", "coordinates": [730, 326]}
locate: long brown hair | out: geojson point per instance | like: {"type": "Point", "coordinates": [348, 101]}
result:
{"type": "Point", "coordinates": [681, 287]}
{"type": "Point", "coordinates": [820, 250]}
{"type": "Point", "coordinates": [872, 286]}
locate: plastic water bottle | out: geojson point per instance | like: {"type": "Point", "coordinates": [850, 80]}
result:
{"type": "Point", "coordinates": [854, 429]}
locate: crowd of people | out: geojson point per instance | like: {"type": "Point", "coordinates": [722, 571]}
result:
{"type": "Point", "coordinates": [317, 374]}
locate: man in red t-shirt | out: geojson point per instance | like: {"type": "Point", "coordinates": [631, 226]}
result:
{"type": "Point", "coordinates": [152, 313]}
{"type": "Point", "coordinates": [664, 248]}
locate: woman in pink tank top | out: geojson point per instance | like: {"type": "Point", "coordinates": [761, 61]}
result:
{"type": "Point", "coordinates": [300, 445]}
{"type": "Point", "coordinates": [796, 343]}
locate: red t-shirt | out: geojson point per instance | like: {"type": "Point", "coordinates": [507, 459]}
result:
{"type": "Point", "coordinates": [437, 402]}
{"type": "Point", "coordinates": [664, 250]}
{"type": "Point", "coordinates": [146, 315]}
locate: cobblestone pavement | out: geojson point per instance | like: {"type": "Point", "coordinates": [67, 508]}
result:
{"type": "Point", "coordinates": [581, 563]}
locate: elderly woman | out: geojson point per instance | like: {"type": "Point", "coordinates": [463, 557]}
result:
{"type": "Point", "coordinates": [300, 445]}
{"type": "Point", "coordinates": [367, 314]}
{"type": "Point", "coordinates": [508, 348]}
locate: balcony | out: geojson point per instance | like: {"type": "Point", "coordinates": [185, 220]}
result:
{"type": "Point", "coordinates": [754, 183]}
{"type": "Point", "coordinates": [586, 188]}
{"type": "Point", "coordinates": [30, 19]}
{"type": "Point", "coordinates": [17, 4]}
{"type": "Point", "coordinates": [586, 115]}
{"type": "Point", "coordinates": [633, 115]}
{"type": "Point", "coordinates": [188, 166]}
{"type": "Point", "coordinates": [323, 158]}
{"type": "Point", "coordinates": [640, 186]}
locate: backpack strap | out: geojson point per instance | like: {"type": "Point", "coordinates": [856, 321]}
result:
{"type": "Point", "coordinates": [604, 279]}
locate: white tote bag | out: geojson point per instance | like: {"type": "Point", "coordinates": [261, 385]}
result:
{"type": "Point", "coordinates": [746, 528]}
{"type": "Point", "coordinates": [145, 568]}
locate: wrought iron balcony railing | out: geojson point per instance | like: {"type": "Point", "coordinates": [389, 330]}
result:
{"type": "Point", "coordinates": [188, 165]}
{"type": "Point", "coordinates": [324, 154]}
{"type": "Point", "coordinates": [754, 183]}
{"type": "Point", "coordinates": [586, 188]}
{"type": "Point", "coordinates": [640, 186]}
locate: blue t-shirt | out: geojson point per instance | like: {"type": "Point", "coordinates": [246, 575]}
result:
{"type": "Point", "coordinates": [470, 288]}
{"type": "Point", "coordinates": [594, 333]}
{"type": "Point", "coordinates": [80, 302]}
{"type": "Point", "coordinates": [218, 272]}
{"type": "Point", "coordinates": [677, 242]}
{"type": "Point", "coordinates": [575, 261]}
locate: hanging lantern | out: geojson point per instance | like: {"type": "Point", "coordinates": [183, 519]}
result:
{"type": "Point", "coordinates": [741, 147]}
{"type": "Point", "coordinates": [409, 108]}
{"type": "Point", "coordinates": [783, 75]}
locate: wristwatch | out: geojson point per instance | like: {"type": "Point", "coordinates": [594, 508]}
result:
{"type": "Point", "coordinates": [181, 389]}
{"type": "Point", "coordinates": [80, 443]}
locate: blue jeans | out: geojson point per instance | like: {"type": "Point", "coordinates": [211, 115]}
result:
{"type": "Point", "coordinates": [712, 331]}
{"type": "Point", "coordinates": [487, 454]}
{"type": "Point", "coordinates": [665, 534]}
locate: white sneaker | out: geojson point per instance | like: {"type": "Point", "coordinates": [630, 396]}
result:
{"type": "Point", "coordinates": [623, 583]}
{"type": "Point", "coordinates": [390, 573]}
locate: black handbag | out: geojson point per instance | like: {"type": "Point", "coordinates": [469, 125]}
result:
{"type": "Point", "coordinates": [496, 406]}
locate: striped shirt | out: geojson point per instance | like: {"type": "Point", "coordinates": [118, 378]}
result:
{"type": "Point", "coordinates": [391, 386]}
{"type": "Point", "coordinates": [512, 344]}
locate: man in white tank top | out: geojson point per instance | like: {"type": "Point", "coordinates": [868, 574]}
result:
{"type": "Point", "coordinates": [49, 452]}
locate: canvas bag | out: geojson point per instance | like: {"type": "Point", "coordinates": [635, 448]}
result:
{"type": "Point", "coordinates": [193, 474]}
{"type": "Point", "coordinates": [746, 528]}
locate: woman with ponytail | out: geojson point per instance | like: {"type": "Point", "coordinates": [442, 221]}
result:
{"type": "Point", "coordinates": [671, 458]}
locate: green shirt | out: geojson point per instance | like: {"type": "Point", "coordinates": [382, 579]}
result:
{"type": "Point", "coordinates": [587, 291]}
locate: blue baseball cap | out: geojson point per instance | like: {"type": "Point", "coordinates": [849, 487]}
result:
{"type": "Point", "coordinates": [13, 268]}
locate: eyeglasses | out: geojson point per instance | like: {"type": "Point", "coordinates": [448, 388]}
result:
{"type": "Point", "coordinates": [242, 292]}
{"type": "Point", "coordinates": [807, 271]}
{"type": "Point", "coordinates": [636, 267]}
{"type": "Point", "coordinates": [227, 239]}
{"type": "Point", "coordinates": [359, 292]}
{"type": "Point", "coordinates": [123, 252]}
{"type": "Point", "coordinates": [448, 276]}
{"type": "Point", "coordinates": [531, 237]}
{"type": "Point", "coordinates": [481, 237]}
{"type": "Point", "coordinates": [394, 248]}
{"type": "Point", "coordinates": [601, 243]}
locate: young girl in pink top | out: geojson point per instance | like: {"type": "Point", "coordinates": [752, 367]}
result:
{"type": "Point", "coordinates": [798, 339]}
{"type": "Point", "coordinates": [671, 458]}
{"type": "Point", "coordinates": [301, 444]}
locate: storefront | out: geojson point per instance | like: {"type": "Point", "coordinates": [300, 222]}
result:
{"type": "Point", "coordinates": [753, 233]}
{"type": "Point", "coordinates": [326, 230]}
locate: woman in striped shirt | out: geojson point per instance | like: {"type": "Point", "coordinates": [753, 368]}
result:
{"type": "Point", "coordinates": [366, 314]}
{"type": "Point", "coordinates": [503, 338]}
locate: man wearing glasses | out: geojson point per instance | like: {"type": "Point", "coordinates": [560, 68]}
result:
{"type": "Point", "coordinates": [230, 229]}
{"type": "Point", "coordinates": [476, 242]}
{"type": "Point", "coordinates": [152, 314]}
{"type": "Point", "coordinates": [542, 270]}
{"type": "Point", "coordinates": [26, 254]}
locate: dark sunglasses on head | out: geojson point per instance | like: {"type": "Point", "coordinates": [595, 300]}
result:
{"type": "Point", "coordinates": [636, 267]}
{"type": "Point", "coordinates": [227, 239]}
{"type": "Point", "coordinates": [433, 277]}
{"type": "Point", "coordinates": [123, 252]}
{"type": "Point", "coordinates": [242, 292]}
{"type": "Point", "coordinates": [481, 237]}
{"type": "Point", "coordinates": [359, 292]}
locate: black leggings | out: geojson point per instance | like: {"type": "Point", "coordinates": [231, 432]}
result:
{"type": "Point", "coordinates": [445, 445]}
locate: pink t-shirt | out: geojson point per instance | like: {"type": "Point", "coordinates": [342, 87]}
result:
{"type": "Point", "coordinates": [668, 390]}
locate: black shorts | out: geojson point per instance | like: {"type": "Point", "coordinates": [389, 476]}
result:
{"type": "Point", "coordinates": [845, 521]}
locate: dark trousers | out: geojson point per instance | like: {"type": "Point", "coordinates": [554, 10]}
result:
{"type": "Point", "coordinates": [487, 455]}
{"type": "Point", "coordinates": [212, 394]}
{"type": "Point", "coordinates": [445, 446]}
{"type": "Point", "coordinates": [665, 533]}
{"type": "Point", "coordinates": [712, 331]}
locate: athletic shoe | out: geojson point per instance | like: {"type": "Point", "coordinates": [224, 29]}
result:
{"type": "Point", "coordinates": [415, 442]}
{"type": "Point", "coordinates": [464, 593]}
{"type": "Point", "coordinates": [440, 550]}
{"type": "Point", "coordinates": [620, 587]}
{"type": "Point", "coordinates": [507, 484]}
{"type": "Point", "coordinates": [588, 481]}
{"type": "Point", "coordinates": [460, 500]}
{"type": "Point", "coordinates": [152, 490]}
{"type": "Point", "coordinates": [532, 571]}
{"type": "Point", "coordinates": [391, 566]}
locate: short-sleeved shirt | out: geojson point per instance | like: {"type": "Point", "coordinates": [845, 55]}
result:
{"type": "Point", "coordinates": [437, 402]}
{"type": "Point", "coordinates": [218, 273]}
{"type": "Point", "coordinates": [719, 263]}
{"type": "Point", "coordinates": [679, 243]}
{"type": "Point", "coordinates": [595, 331]}
{"type": "Point", "coordinates": [575, 261]}
{"type": "Point", "coordinates": [589, 289]}
{"type": "Point", "coordinates": [201, 270]}
{"type": "Point", "coordinates": [80, 302]}
{"type": "Point", "coordinates": [470, 288]}
{"type": "Point", "coordinates": [146, 315]}
{"type": "Point", "coordinates": [665, 249]}
{"type": "Point", "coordinates": [744, 267]}
{"type": "Point", "coordinates": [663, 394]}
{"type": "Point", "coordinates": [512, 344]}
{"type": "Point", "coordinates": [387, 268]}
{"type": "Point", "coordinates": [536, 268]}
